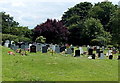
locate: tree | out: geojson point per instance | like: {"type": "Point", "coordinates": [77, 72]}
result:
{"type": "Point", "coordinates": [7, 23]}
{"type": "Point", "coordinates": [103, 11]}
{"type": "Point", "coordinates": [94, 31]}
{"type": "Point", "coordinates": [40, 39]}
{"type": "Point", "coordinates": [52, 30]}
{"type": "Point", "coordinates": [114, 26]}
{"type": "Point", "coordinates": [76, 14]}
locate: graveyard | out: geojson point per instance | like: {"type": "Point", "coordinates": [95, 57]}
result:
{"type": "Point", "coordinates": [60, 42]}
{"type": "Point", "coordinates": [44, 65]}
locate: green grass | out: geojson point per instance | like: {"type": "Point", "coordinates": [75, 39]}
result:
{"type": "Point", "coordinates": [45, 67]}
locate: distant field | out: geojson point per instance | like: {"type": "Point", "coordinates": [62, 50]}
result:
{"type": "Point", "coordinates": [45, 67]}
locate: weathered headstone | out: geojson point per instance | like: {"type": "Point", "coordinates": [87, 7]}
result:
{"type": "Point", "coordinates": [57, 49]}
{"type": "Point", "coordinates": [33, 48]}
{"type": "Point", "coordinates": [68, 51]}
{"type": "Point", "coordinates": [6, 44]}
{"type": "Point", "coordinates": [23, 46]}
{"type": "Point", "coordinates": [81, 50]}
{"type": "Point", "coordinates": [44, 49]}
{"type": "Point", "coordinates": [38, 47]}
{"type": "Point", "coordinates": [101, 55]}
{"type": "Point", "coordinates": [77, 53]}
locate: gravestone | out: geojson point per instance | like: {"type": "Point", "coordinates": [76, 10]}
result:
{"type": "Point", "coordinates": [77, 53]}
{"type": "Point", "coordinates": [44, 49]}
{"type": "Point", "coordinates": [15, 48]}
{"type": "Point", "coordinates": [68, 51]}
{"type": "Point", "coordinates": [6, 44]}
{"type": "Point", "coordinates": [81, 50]}
{"type": "Point", "coordinates": [90, 51]}
{"type": "Point", "coordinates": [57, 49]}
{"type": "Point", "coordinates": [33, 48]}
{"type": "Point", "coordinates": [38, 47]}
{"type": "Point", "coordinates": [119, 57]}
{"type": "Point", "coordinates": [23, 46]}
{"type": "Point", "coordinates": [93, 56]}
{"type": "Point", "coordinates": [62, 48]}
{"type": "Point", "coordinates": [101, 55]}
{"type": "Point", "coordinates": [26, 47]}
{"type": "Point", "coordinates": [110, 56]}
{"type": "Point", "coordinates": [12, 46]}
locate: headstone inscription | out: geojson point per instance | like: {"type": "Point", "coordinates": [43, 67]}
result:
{"type": "Point", "coordinates": [33, 48]}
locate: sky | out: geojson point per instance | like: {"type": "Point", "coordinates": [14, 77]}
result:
{"type": "Point", "coordinates": [33, 12]}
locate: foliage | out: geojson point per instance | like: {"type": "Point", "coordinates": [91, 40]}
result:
{"type": "Point", "coordinates": [15, 38]}
{"type": "Point", "coordinates": [77, 13]}
{"type": "Point", "coordinates": [103, 11]}
{"type": "Point", "coordinates": [114, 26]}
{"type": "Point", "coordinates": [7, 23]}
{"type": "Point", "coordinates": [40, 39]}
{"type": "Point", "coordinates": [52, 30]}
{"type": "Point", "coordinates": [94, 30]}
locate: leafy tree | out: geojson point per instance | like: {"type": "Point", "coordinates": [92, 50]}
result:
{"type": "Point", "coordinates": [40, 39]}
{"type": "Point", "coordinates": [103, 11]}
{"type": "Point", "coordinates": [114, 26]}
{"type": "Point", "coordinates": [76, 14]}
{"type": "Point", "coordinates": [52, 30]}
{"type": "Point", "coordinates": [94, 31]}
{"type": "Point", "coordinates": [7, 23]}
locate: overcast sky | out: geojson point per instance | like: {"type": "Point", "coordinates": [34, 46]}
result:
{"type": "Point", "coordinates": [32, 12]}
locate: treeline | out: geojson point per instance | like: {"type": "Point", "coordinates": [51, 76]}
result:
{"type": "Point", "coordinates": [82, 24]}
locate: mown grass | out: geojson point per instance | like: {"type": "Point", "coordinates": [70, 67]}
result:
{"type": "Point", "coordinates": [45, 67]}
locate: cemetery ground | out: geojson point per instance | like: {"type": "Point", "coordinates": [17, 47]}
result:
{"type": "Point", "coordinates": [59, 67]}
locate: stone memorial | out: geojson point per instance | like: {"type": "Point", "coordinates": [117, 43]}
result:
{"type": "Point", "coordinates": [93, 56]}
{"type": "Point", "coordinates": [77, 53]}
{"type": "Point", "coordinates": [6, 44]}
{"type": "Point", "coordinates": [57, 49]}
{"type": "Point", "coordinates": [44, 49]}
{"type": "Point", "coordinates": [68, 51]}
{"type": "Point", "coordinates": [81, 50]}
{"type": "Point", "coordinates": [90, 51]}
{"type": "Point", "coordinates": [33, 48]}
{"type": "Point", "coordinates": [110, 56]}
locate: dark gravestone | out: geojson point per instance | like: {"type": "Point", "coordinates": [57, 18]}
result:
{"type": "Point", "coordinates": [62, 48]}
{"type": "Point", "coordinates": [111, 57]}
{"type": "Point", "coordinates": [97, 50]}
{"type": "Point", "coordinates": [90, 51]}
{"type": "Point", "coordinates": [72, 50]}
{"type": "Point", "coordinates": [119, 57]}
{"type": "Point", "coordinates": [33, 48]}
{"type": "Point", "coordinates": [44, 49]}
{"type": "Point", "coordinates": [77, 53]}
{"type": "Point", "coordinates": [93, 56]}
{"type": "Point", "coordinates": [99, 53]}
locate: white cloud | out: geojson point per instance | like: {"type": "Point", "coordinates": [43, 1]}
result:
{"type": "Point", "coordinates": [33, 12]}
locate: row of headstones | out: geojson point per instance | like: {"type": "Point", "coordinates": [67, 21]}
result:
{"type": "Point", "coordinates": [38, 47]}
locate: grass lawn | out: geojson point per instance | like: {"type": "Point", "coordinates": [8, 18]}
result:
{"type": "Point", "coordinates": [45, 67]}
